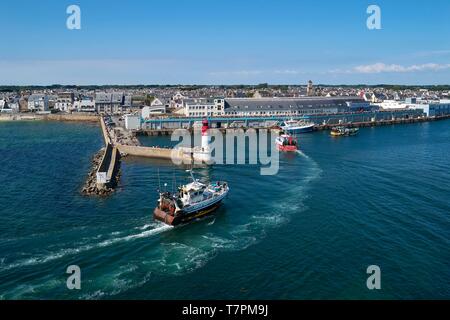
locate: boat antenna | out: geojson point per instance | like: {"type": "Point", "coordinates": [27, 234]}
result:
{"type": "Point", "coordinates": [159, 182]}
{"type": "Point", "coordinates": [173, 181]}
{"type": "Point", "coordinates": [192, 175]}
{"type": "Point", "coordinates": [175, 178]}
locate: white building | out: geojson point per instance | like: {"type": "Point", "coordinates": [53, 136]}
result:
{"type": "Point", "coordinates": [38, 102]}
{"type": "Point", "coordinates": [434, 108]}
{"type": "Point", "coordinates": [392, 104]}
{"type": "Point", "coordinates": [156, 102]}
{"type": "Point", "coordinates": [132, 122]}
{"type": "Point", "coordinates": [8, 107]}
{"type": "Point", "coordinates": [148, 111]}
{"type": "Point", "coordinates": [177, 101]}
{"type": "Point", "coordinates": [86, 104]}
{"type": "Point", "coordinates": [64, 101]}
{"type": "Point", "coordinates": [204, 107]}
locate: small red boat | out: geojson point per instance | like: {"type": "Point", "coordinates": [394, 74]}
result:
{"type": "Point", "coordinates": [286, 143]}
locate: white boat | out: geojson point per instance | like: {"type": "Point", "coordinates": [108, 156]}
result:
{"type": "Point", "coordinates": [193, 200]}
{"type": "Point", "coordinates": [294, 126]}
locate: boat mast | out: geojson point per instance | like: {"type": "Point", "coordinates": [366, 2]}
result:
{"type": "Point", "coordinates": [192, 175]}
{"type": "Point", "coordinates": [159, 182]}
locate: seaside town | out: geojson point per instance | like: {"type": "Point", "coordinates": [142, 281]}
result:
{"type": "Point", "coordinates": [160, 102]}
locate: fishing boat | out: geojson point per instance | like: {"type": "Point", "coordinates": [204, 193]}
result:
{"type": "Point", "coordinates": [191, 201]}
{"type": "Point", "coordinates": [293, 126]}
{"type": "Point", "coordinates": [287, 143]}
{"type": "Point", "coordinates": [341, 131]}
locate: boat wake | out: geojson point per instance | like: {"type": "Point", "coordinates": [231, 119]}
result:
{"type": "Point", "coordinates": [41, 259]}
{"type": "Point", "coordinates": [183, 251]}
{"type": "Point", "coordinates": [303, 154]}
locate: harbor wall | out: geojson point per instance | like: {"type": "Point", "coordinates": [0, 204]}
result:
{"type": "Point", "coordinates": [321, 122]}
{"type": "Point", "coordinates": [109, 166]}
{"type": "Point", "coordinates": [153, 152]}
{"type": "Point", "coordinates": [105, 133]}
{"type": "Point", "coordinates": [72, 117]}
{"type": "Point", "coordinates": [82, 117]}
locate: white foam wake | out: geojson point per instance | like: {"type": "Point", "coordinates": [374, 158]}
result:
{"type": "Point", "coordinates": [303, 154]}
{"type": "Point", "coordinates": [72, 251]}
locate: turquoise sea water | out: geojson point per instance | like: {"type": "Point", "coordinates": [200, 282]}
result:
{"type": "Point", "coordinates": [309, 232]}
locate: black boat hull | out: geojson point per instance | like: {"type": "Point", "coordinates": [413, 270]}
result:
{"type": "Point", "coordinates": [184, 217]}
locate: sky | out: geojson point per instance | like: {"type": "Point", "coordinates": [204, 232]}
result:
{"type": "Point", "coordinates": [224, 42]}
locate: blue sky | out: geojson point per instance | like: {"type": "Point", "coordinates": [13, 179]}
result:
{"type": "Point", "coordinates": [224, 42]}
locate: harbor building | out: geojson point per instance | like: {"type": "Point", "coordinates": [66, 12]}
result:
{"type": "Point", "coordinates": [430, 108]}
{"type": "Point", "coordinates": [294, 106]}
{"type": "Point", "coordinates": [209, 107]}
{"type": "Point", "coordinates": [148, 111]}
{"type": "Point", "coordinates": [433, 108]}
{"type": "Point", "coordinates": [132, 122]}
{"type": "Point", "coordinates": [392, 105]}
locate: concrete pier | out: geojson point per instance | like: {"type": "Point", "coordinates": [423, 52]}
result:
{"type": "Point", "coordinates": [322, 122]}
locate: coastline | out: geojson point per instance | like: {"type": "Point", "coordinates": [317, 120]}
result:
{"type": "Point", "coordinates": [49, 117]}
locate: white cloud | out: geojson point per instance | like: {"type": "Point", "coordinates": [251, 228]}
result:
{"type": "Point", "coordinates": [393, 68]}
{"type": "Point", "coordinates": [381, 67]}
{"type": "Point", "coordinates": [287, 72]}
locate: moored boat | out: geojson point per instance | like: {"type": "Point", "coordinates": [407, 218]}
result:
{"type": "Point", "coordinates": [343, 131]}
{"type": "Point", "coordinates": [192, 201]}
{"type": "Point", "coordinates": [293, 126]}
{"type": "Point", "coordinates": [287, 143]}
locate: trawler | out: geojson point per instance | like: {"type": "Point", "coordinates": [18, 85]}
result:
{"type": "Point", "coordinates": [287, 143]}
{"type": "Point", "coordinates": [191, 201]}
{"type": "Point", "coordinates": [293, 126]}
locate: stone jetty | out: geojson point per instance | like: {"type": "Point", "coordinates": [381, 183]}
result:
{"type": "Point", "coordinates": [90, 187]}
{"type": "Point", "coordinates": [105, 172]}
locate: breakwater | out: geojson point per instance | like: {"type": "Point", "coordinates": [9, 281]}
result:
{"type": "Point", "coordinates": [154, 152]}
{"type": "Point", "coordinates": [105, 173]}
